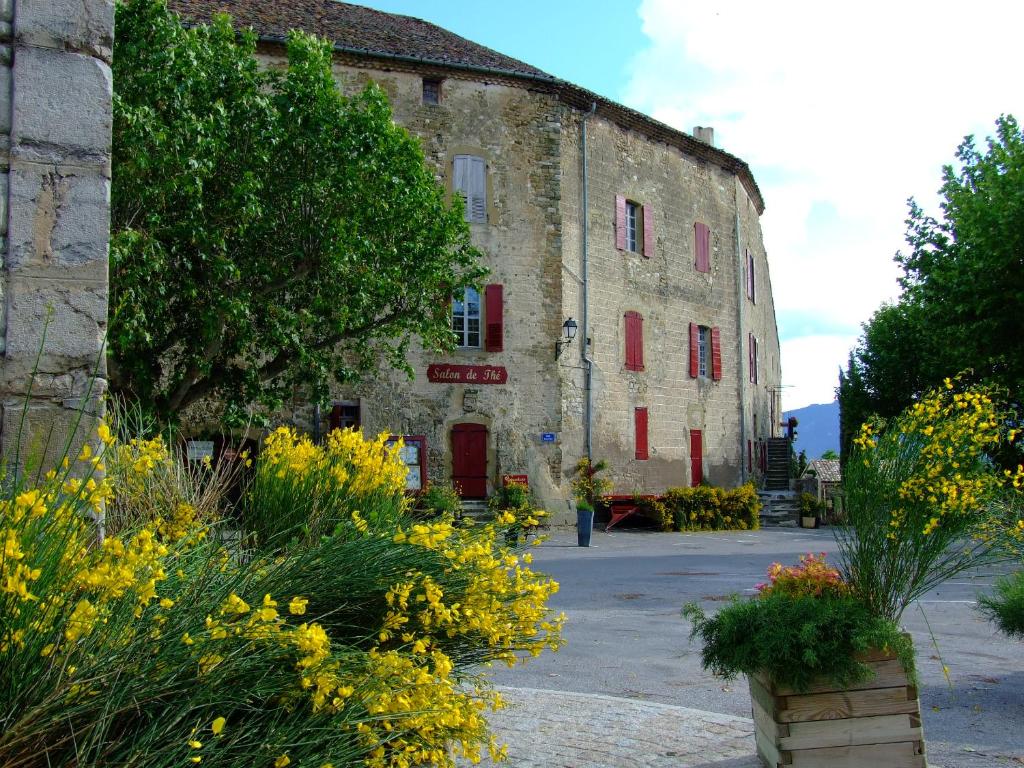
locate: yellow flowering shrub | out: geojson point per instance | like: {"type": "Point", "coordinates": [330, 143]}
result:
{"type": "Point", "coordinates": [924, 497]}
{"type": "Point", "coordinates": [160, 645]}
{"type": "Point", "coordinates": [707, 508]}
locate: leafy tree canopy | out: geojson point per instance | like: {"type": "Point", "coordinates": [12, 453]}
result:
{"type": "Point", "coordinates": [962, 305]}
{"type": "Point", "coordinates": [268, 233]}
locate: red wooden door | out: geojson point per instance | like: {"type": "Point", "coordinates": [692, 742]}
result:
{"type": "Point", "coordinates": [696, 457]}
{"type": "Point", "coordinates": [469, 460]}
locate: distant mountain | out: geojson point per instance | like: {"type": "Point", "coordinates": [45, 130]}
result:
{"type": "Point", "coordinates": [817, 429]}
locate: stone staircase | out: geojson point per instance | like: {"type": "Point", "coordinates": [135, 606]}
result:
{"type": "Point", "coordinates": [777, 475]}
{"type": "Point", "coordinates": [476, 510]}
{"type": "Point", "coordinates": [779, 509]}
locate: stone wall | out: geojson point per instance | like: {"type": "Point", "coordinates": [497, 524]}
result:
{"type": "Point", "coordinates": [55, 121]}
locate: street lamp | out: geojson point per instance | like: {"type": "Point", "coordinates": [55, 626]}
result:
{"type": "Point", "coordinates": [569, 327]}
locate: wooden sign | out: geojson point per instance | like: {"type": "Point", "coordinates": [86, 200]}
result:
{"type": "Point", "coordinates": [442, 373]}
{"type": "Point", "coordinates": [520, 479]}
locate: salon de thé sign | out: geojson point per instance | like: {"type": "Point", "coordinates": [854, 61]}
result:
{"type": "Point", "coordinates": [442, 373]}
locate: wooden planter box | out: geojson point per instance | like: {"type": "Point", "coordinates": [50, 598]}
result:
{"type": "Point", "coordinates": [874, 724]}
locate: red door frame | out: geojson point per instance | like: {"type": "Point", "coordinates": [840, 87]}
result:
{"type": "Point", "coordinates": [469, 460]}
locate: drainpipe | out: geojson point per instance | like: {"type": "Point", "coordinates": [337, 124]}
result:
{"type": "Point", "coordinates": [740, 304]}
{"type": "Point", "coordinates": [588, 363]}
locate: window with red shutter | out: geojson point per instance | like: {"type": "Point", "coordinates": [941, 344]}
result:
{"type": "Point", "coordinates": [648, 244]}
{"type": "Point", "coordinates": [694, 350]}
{"type": "Point", "coordinates": [494, 338]}
{"type": "Point", "coordinates": [640, 422]}
{"type": "Point", "coordinates": [702, 247]}
{"type": "Point", "coordinates": [696, 457]}
{"type": "Point", "coordinates": [634, 341]}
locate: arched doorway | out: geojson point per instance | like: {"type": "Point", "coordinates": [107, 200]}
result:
{"type": "Point", "coordinates": [469, 460]}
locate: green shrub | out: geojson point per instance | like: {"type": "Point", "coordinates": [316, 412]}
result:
{"type": "Point", "coordinates": [707, 508]}
{"type": "Point", "coordinates": [1006, 607]}
{"type": "Point", "coordinates": [438, 501]}
{"type": "Point", "coordinates": [795, 639]}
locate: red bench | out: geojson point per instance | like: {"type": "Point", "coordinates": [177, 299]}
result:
{"type": "Point", "coordinates": [622, 507]}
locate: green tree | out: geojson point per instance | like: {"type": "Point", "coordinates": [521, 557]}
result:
{"type": "Point", "coordinates": [962, 305]}
{"type": "Point", "coordinates": [268, 233]}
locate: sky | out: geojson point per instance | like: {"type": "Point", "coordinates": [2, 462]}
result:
{"type": "Point", "coordinates": [843, 112]}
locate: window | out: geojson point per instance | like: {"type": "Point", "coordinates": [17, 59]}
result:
{"type": "Point", "coordinates": [634, 227]}
{"type": "Point", "coordinates": [750, 277]}
{"type": "Point", "coordinates": [431, 90]}
{"type": "Point", "coordinates": [701, 247]}
{"type": "Point", "coordinates": [345, 415]}
{"type": "Point", "coordinates": [466, 319]}
{"type": "Point", "coordinates": [705, 352]}
{"type": "Point", "coordinates": [631, 217]}
{"type": "Point", "coordinates": [469, 181]}
{"type": "Point", "coordinates": [640, 429]}
{"type": "Point", "coordinates": [634, 341]}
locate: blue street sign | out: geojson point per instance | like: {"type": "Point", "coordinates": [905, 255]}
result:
{"type": "Point", "coordinates": [547, 437]}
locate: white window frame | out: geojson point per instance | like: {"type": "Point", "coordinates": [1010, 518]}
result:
{"type": "Point", "coordinates": [632, 223]}
{"type": "Point", "coordinates": [703, 351]}
{"type": "Point", "coordinates": [467, 321]}
{"type": "Point", "coordinates": [469, 181]}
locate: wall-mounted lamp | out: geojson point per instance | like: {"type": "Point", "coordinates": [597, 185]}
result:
{"type": "Point", "coordinates": [569, 327]}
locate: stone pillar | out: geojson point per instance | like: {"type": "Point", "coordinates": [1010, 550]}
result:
{"type": "Point", "coordinates": [55, 125]}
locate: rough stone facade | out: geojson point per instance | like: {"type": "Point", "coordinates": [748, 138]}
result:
{"type": "Point", "coordinates": [55, 126]}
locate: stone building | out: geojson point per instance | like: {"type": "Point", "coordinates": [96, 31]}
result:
{"type": "Point", "coordinates": [646, 237]}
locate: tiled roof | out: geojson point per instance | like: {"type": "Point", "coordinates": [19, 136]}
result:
{"type": "Point", "coordinates": [358, 29]}
{"type": "Point", "coordinates": [826, 470]}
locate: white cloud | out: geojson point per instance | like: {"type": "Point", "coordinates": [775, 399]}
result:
{"type": "Point", "coordinates": [842, 112]}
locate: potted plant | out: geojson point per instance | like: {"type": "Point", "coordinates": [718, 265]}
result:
{"type": "Point", "coordinates": [588, 489]}
{"type": "Point", "coordinates": [831, 673]}
{"type": "Point", "coordinates": [810, 510]}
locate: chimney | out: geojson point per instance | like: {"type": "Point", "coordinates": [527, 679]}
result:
{"type": "Point", "coordinates": [707, 135]}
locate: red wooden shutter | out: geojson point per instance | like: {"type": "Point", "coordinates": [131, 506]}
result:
{"type": "Point", "coordinates": [648, 216]}
{"type": "Point", "coordinates": [335, 417]}
{"type": "Point", "coordinates": [750, 276]}
{"type": "Point", "coordinates": [750, 456]}
{"type": "Point", "coordinates": [702, 247]}
{"type": "Point", "coordinates": [696, 457]}
{"type": "Point", "coordinates": [694, 350]}
{"type": "Point", "coordinates": [494, 340]}
{"type": "Point", "coordinates": [634, 342]}
{"type": "Point", "coordinates": [716, 354]}
{"type": "Point", "coordinates": [620, 222]}
{"type": "Point", "coordinates": [640, 422]}
{"type": "Point", "coordinates": [754, 339]}
{"type": "Point", "coordinates": [751, 358]}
